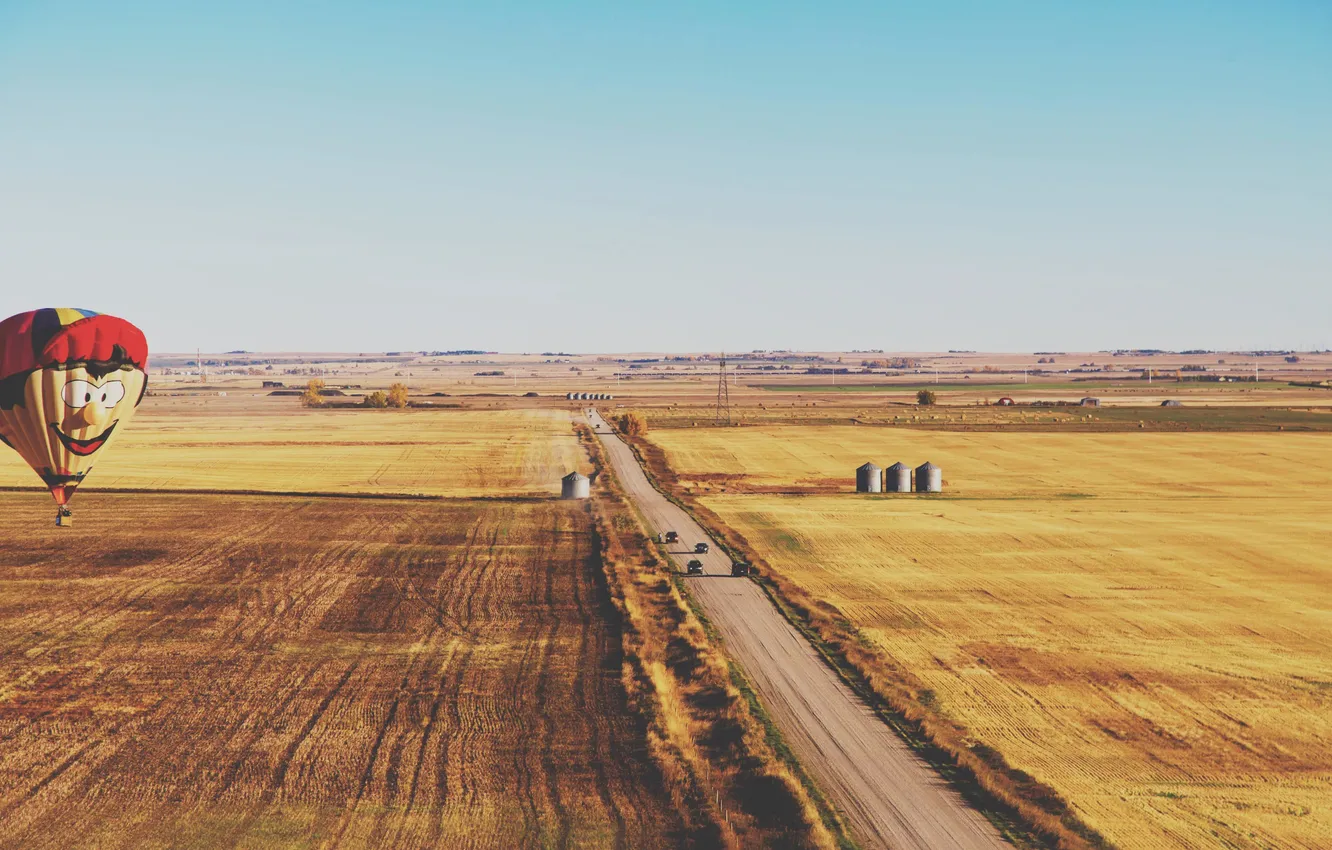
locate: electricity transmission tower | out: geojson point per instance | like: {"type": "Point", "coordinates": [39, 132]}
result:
{"type": "Point", "coordinates": [723, 416]}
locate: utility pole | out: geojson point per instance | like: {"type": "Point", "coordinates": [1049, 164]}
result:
{"type": "Point", "coordinates": [723, 415]}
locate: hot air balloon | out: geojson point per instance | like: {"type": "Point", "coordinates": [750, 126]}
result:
{"type": "Point", "coordinates": [69, 381]}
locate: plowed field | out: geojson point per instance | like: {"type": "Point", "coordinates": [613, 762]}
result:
{"type": "Point", "coordinates": [1142, 622]}
{"type": "Point", "coordinates": [255, 672]}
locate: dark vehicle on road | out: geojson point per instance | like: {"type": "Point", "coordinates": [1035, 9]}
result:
{"type": "Point", "coordinates": [672, 537]}
{"type": "Point", "coordinates": [701, 549]}
{"type": "Point", "coordinates": [740, 568]}
{"type": "Point", "coordinates": [694, 568]}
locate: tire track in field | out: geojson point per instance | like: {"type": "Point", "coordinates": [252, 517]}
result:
{"type": "Point", "coordinates": [279, 777]}
{"type": "Point", "coordinates": [367, 773]}
{"type": "Point", "coordinates": [253, 704]}
{"type": "Point", "coordinates": [522, 753]}
{"type": "Point", "coordinates": [589, 655]}
{"type": "Point", "coordinates": [300, 589]}
{"type": "Point", "coordinates": [548, 644]}
{"type": "Point", "coordinates": [107, 738]}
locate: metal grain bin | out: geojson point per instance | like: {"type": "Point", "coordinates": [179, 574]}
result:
{"type": "Point", "coordinates": [897, 478]}
{"type": "Point", "coordinates": [575, 485]}
{"type": "Point", "coordinates": [929, 478]}
{"type": "Point", "coordinates": [868, 479]}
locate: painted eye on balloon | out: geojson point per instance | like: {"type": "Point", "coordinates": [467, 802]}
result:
{"type": "Point", "coordinates": [79, 393]}
{"type": "Point", "coordinates": [110, 393]}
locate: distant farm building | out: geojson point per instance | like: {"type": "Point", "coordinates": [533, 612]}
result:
{"type": "Point", "coordinates": [1090, 402]}
{"type": "Point", "coordinates": [1005, 402]}
{"type": "Point", "coordinates": [929, 478]}
{"type": "Point", "coordinates": [868, 479]}
{"type": "Point", "coordinates": [575, 485]}
{"type": "Point", "coordinates": [1172, 402]}
{"type": "Point", "coordinates": [273, 385]}
{"type": "Point", "coordinates": [897, 478]}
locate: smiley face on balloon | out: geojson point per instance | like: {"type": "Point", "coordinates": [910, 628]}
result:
{"type": "Point", "coordinates": [69, 380]}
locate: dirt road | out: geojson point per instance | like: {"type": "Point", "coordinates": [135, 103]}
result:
{"type": "Point", "coordinates": [890, 797]}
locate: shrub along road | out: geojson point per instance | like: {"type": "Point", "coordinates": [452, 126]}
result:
{"type": "Point", "coordinates": [890, 797]}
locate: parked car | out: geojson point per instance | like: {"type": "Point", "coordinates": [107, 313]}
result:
{"type": "Point", "coordinates": [694, 568]}
{"type": "Point", "coordinates": [701, 549]}
{"type": "Point", "coordinates": [672, 537]}
{"type": "Point", "coordinates": [740, 568]}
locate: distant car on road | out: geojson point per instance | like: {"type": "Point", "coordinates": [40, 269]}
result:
{"type": "Point", "coordinates": [672, 537]}
{"type": "Point", "coordinates": [694, 568]}
{"type": "Point", "coordinates": [740, 568]}
{"type": "Point", "coordinates": [701, 549]}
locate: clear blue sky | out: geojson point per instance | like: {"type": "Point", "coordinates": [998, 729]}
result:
{"type": "Point", "coordinates": [672, 176]}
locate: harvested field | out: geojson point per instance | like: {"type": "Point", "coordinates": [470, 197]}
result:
{"type": "Point", "coordinates": [1138, 413]}
{"type": "Point", "coordinates": [182, 444]}
{"type": "Point", "coordinates": [1141, 622]}
{"type": "Point", "coordinates": [256, 672]}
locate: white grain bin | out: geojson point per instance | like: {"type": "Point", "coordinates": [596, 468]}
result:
{"type": "Point", "coordinates": [897, 478]}
{"type": "Point", "coordinates": [929, 478]}
{"type": "Point", "coordinates": [575, 485]}
{"type": "Point", "coordinates": [868, 479]}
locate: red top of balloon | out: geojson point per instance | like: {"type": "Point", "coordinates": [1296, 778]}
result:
{"type": "Point", "coordinates": [54, 336]}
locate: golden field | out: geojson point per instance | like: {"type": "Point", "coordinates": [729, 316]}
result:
{"type": "Point", "coordinates": [213, 443]}
{"type": "Point", "coordinates": [1141, 621]}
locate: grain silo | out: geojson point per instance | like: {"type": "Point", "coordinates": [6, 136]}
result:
{"type": "Point", "coordinates": [868, 479]}
{"type": "Point", "coordinates": [929, 478]}
{"type": "Point", "coordinates": [897, 478]}
{"type": "Point", "coordinates": [570, 396]}
{"type": "Point", "coordinates": [575, 485]}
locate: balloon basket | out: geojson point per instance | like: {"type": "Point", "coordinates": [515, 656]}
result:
{"type": "Point", "coordinates": [64, 518]}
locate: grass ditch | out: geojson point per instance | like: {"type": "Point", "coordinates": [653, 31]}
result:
{"type": "Point", "coordinates": [732, 784]}
{"type": "Point", "coordinates": [1025, 810]}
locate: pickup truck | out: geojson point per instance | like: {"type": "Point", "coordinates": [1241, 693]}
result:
{"type": "Point", "coordinates": [694, 568]}
{"type": "Point", "coordinates": [740, 568]}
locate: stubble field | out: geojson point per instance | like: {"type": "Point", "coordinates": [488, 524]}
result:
{"type": "Point", "coordinates": [1141, 621]}
{"type": "Point", "coordinates": [201, 671]}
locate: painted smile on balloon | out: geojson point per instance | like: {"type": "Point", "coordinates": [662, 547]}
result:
{"type": "Point", "coordinates": [83, 448]}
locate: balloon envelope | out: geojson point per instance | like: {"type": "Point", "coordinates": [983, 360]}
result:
{"type": "Point", "coordinates": [70, 380]}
